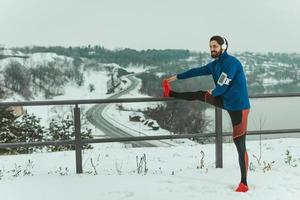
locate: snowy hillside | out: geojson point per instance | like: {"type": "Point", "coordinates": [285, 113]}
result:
{"type": "Point", "coordinates": [95, 76]}
{"type": "Point", "coordinates": [38, 74]}
{"type": "Point", "coordinates": [36, 59]}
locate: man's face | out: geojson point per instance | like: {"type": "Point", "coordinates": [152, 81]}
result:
{"type": "Point", "coordinates": [215, 49]}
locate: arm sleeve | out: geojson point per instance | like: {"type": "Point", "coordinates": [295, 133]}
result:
{"type": "Point", "coordinates": [224, 80]}
{"type": "Point", "coordinates": [198, 71]}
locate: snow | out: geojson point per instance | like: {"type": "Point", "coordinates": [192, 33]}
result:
{"type": "Point", "coordinates": [36, 59]}
{"type": "Point", "coordinates": [172, 174]}
{"type": "Point", "coordinates": [138, 69]}
{"type": "Point", "coordinates": [270, 82]}
{"type": "Point", "coordinates": [72, 91]}
{"type": "Point", "coordinates": [286, 81]}
{"type": "Point", "coordinates": [9, 52]}
{"type": "Point", "coordinates": [172, 171]}
{"type": "Point", "coordinates": [160, 74]}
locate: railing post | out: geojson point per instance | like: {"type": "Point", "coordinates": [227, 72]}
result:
{"type": "Point", "coordinates": [219, 138]}
{"type": "Point", "coordinates": [78, 147]}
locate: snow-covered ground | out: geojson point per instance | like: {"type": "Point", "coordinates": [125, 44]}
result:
{"type": "Point", "coordinates": [172, 173]}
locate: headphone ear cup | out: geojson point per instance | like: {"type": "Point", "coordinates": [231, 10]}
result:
{"type": "Point", "coordinates": [224, 45]}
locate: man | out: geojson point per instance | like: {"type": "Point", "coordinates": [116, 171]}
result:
{"type": "Point", "coordinates": [230, 94]}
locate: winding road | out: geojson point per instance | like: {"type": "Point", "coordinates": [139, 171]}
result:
{"type": "Point", "coordinates": [95, 117]}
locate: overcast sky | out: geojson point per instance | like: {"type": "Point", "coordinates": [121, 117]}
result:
{"type": "Point", "coordinates": [256, 25]}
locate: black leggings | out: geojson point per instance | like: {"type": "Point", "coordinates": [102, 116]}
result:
{"type": "Point", "coordinates": [240, 143]}
{"type": "Point", "coordinates": [238, 119]}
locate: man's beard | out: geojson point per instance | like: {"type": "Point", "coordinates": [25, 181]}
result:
{"type": "Point", "coordinates": [215, 54]}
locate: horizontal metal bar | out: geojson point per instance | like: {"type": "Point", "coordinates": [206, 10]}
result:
{"type": "Point", "coordinates": [141, 138]}
{"type": "Point", "coordinates": [82, 101]}
{"type": "Point", "coordinates": [261, 96]}
{"type": "Point", "coordinates": [184, 136]}
{"type": "Point", "coordinates": [33, 144]}
{"type": "Point", "coordinates": [268, 132]}
{"type": "Point", "coordinates": [122, 100]}
{"type": "Point", "coordinates": [144, 138]}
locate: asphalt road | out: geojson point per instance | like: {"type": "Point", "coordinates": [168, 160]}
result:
{"type": "Point", "coordinates": [94, 116]}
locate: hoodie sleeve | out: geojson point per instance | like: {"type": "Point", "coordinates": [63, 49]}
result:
{"type": "Point", "coordinates": [227, 75]}
{"type": "Point", "coordinates": [198, 71]}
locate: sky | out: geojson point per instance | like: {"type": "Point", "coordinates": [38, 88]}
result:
{"type": "Point", "coordinates": [258, 26]}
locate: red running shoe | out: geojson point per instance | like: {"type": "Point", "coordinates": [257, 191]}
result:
{"type": "Point", "coordinates": [242, 188]}
{"type": "Point", "coordinates": [166, 88]}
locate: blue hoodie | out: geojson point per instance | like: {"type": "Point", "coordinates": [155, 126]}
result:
{"type": "Point", "coordinates": [229, 78]}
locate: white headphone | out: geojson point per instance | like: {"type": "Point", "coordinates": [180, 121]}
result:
{"type": "Point", "coordinates": [224, 45]}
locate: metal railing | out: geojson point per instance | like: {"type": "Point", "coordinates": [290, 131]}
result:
{"type": "Point", "coordinates": [78, 142]}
